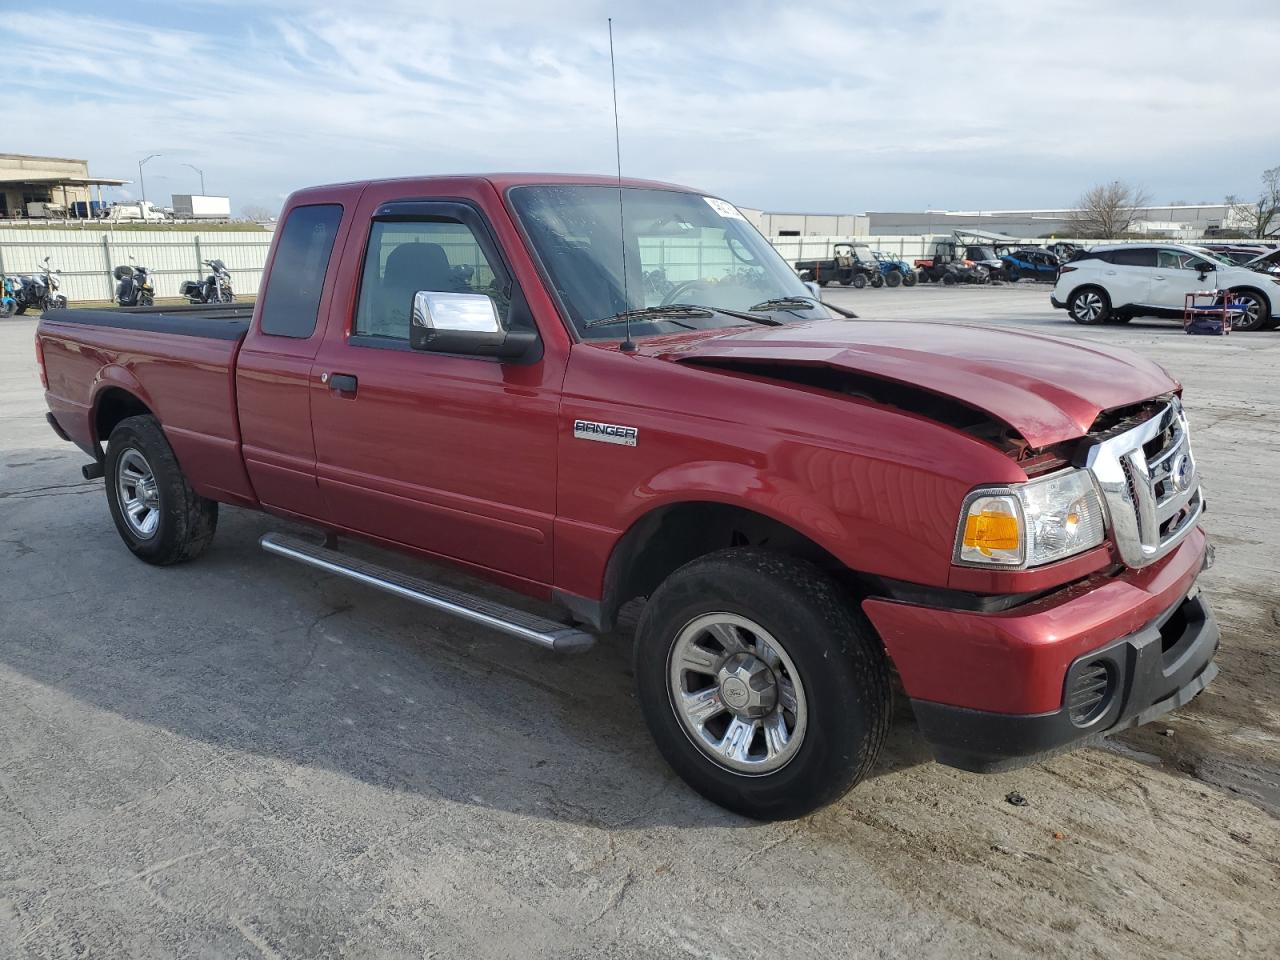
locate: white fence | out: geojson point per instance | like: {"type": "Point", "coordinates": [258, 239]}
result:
{"type": "Point", "coordinates": [87, 257]}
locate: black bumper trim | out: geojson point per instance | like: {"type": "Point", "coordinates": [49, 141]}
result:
{"type": "Point", "coordinates": [1156, 672]}
{"type": "Point", "coordinates": [1056, 302]}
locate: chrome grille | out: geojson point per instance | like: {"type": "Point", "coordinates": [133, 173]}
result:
{"type": "Point", "coordinates": [1150, 485]}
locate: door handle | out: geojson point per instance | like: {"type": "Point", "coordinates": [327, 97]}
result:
{"type": "Point", "coordinates": [341, 383]}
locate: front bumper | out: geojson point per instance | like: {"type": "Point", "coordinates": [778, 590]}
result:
{"type": "Point", "coordinates": [994, 690]}
{"type": "Point", "coordinates": [1146, 675]}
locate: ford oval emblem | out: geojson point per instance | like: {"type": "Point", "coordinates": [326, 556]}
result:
{"type": "Point", "coordinates": [1181, 472]}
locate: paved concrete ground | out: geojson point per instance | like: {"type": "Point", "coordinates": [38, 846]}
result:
{"type": "Point", "coordinates": [240, 758]}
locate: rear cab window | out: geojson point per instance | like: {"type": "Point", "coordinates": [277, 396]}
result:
{"type": "Point", "coordinates": [291, 301]}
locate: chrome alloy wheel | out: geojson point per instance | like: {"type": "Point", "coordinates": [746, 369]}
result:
{"type": "Point", "coordinates": [737, 693]}
{"type": "Point", "coordinates": [138, 494]}
{"type": "Point", "coordinates": [1088, 307]}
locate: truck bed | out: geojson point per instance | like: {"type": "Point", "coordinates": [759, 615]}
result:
{"type": "Point", "coordinates": [178, 361]}
{"type": "Point", "coordinates": [224, 321]}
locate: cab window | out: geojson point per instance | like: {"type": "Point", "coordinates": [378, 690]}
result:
{"type": "Point", "coordinates": [404, 257]}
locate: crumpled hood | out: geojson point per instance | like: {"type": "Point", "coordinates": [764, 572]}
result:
{"type": "Point", "coordinates": [1049, 389]}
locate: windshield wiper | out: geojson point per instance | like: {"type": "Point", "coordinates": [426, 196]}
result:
{"type": "Point", "coordinates": [657, 313]}
{"type": "Point", "coordinates": [802, 303]}
{"type": "Point", "coordinates": [687, 310]}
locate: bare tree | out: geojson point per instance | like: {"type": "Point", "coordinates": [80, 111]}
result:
{"type": "Point", "coordinates": [1260, 219]}
{"type": "Point", "coordinates": [254, 212]}
{"type": "Point", "coordinates": [1107, 210]}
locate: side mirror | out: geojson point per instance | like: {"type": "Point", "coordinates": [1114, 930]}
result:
{"type": "Point", "coordinates": [465, 323]}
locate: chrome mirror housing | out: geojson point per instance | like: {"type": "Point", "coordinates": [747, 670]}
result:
{"type": "Point", "coordinates": [464, 323]}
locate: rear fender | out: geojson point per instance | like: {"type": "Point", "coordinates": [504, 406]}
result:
{"type": "Point", "coordinates": [113, 376]}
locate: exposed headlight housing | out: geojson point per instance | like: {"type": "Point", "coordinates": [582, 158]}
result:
{"type": "Point", "coordinates": [1032, 523]}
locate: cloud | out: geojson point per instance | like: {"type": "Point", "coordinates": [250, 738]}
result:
{"type": "Point", "coordinates": [868, 106]}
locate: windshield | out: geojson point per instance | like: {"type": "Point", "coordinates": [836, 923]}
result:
{"type": "Point", "coordinates": [1215, 257]}
{"type": "Point", "coordinates": [679, 248]}
{"type": "Point", "coordinates": [982, 253]}
{"type": "Point", "coordinates": [862, 252]}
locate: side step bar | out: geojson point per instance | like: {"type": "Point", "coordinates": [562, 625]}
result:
{"type": "Point", "coordinates": [515, 623]}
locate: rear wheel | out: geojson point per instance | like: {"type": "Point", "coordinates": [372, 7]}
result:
{"type": "Point", "coordinates": [909, 279]}
{"type": "Point", "coordinates": [1089, 306]}
{"type": "Point", "coordinates": [764, 687]}
{"type": "Point", "coordinates": [1257, 311]}
{"type": "Point", "coordinates": [146, 299]}
{"type": "Point", "coordinates": [157, 514]}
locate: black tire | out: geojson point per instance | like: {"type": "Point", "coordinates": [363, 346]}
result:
{"type": "Point", "coordinates": [838, 659]}
{"type": "Point", "coordinates": [909, 279]}
{"type": "Point", "coordinates": [184, 521]}
{"type": "Point", "coordinates": [1089, 305]}
{"type": "Point", "coordinates": [949, 279]}
{"type": "Point", "coordinates": [858, 281]}
{"type": "Point", "coordinates": [877, 281]}
{"type": "Point", "coordinates": [20, 309]}
{"type": "Point", "coordinates": [146, 299]}
{"type": "Point", "coordinates": [893, 278]}
{"type": "Point", "coordinates": [1259, 311]}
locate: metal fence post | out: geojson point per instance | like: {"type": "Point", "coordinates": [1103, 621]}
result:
{"type": "Point", "coordinates": [199, 258]}
{"type": "Point", "coordinates": [106, 263]}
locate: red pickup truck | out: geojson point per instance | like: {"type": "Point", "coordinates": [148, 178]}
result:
{"type": "Point", "coordinates": [591, 392]}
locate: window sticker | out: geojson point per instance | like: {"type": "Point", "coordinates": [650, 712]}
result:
{"type": "Point", "coordinates": [724, 208]}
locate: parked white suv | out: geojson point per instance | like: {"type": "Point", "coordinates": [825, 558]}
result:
{"type": "Point", "coordinates": [1115, 284]}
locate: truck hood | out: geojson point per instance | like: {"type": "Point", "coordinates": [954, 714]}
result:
{"type": "Point", "coordinates": [1048, 389]}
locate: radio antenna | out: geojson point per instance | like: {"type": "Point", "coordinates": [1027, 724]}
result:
{"type": "Point", "coordinates": [628, 345]}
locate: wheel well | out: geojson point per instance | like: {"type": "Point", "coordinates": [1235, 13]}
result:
{"type": "Point", "coordinates": [115, 404]}
{"type": "Point", "coordinates": [669, 537]}
{"type": "Point", "coordinates": [1255, 291]}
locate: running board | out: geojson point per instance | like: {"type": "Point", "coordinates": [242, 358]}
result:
{"type": "Point", "coordinates": [497, 616]}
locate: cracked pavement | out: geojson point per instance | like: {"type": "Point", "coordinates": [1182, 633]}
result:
{"type": "Point", "coordinates": [242, 758]}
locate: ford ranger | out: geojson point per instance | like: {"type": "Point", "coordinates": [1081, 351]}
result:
{"type": "Point", "coordinates": [590, 392]}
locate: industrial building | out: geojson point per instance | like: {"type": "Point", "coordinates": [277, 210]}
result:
{"type": "Point", "coordinates": [1170, 221]}
{"type": "Point", "coordinates": [47, 186]}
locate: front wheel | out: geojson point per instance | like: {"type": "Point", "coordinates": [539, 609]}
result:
{"type": "Point", "coordinates": [1257, 311]}
{"type": "Point", "coordinates": [146, 299]}
{"type": "Point", "coordinates": [909, 279]}
{"type": "Point", "coordinates": [764, 687]}
{"type": "Point", "coordinates": [877, 281]}
{"type": "Point", "coordinates": [157, 514]}
{"type": "Point", "coordinates": [1089, 306]}
{"type": "Point", "coordinates": [859, 281]}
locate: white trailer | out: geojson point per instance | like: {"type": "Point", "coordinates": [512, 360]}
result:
{"type": "Point", "coordinates": [190, 206]}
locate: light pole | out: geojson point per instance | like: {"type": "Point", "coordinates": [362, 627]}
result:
{"type": "Point", "coordinates": [199, 171]}
{"type": "Point", "coordinates": [143, 183]}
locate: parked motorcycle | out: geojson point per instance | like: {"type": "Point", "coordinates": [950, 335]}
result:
{"type": "Point", "coordinates": [40, 291]}
{"type": "Point", "coordinates": [134, 288]}
{"type": "Point", "coordinates": [215, 288]}
{"type": "Point", "coordinates": [8, 297]}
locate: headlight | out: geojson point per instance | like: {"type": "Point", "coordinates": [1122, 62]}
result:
{"type": "Point", "coordinates": [1031, 523]}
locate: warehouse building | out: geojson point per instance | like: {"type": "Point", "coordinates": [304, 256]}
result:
{"type": "Point", "coordinates": [1180, 221]}
{"type": "Point", "coordinates": [47, 186]}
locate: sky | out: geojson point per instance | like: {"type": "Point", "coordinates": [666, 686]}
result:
{"type": "Point", "coordinates": [800, 107]}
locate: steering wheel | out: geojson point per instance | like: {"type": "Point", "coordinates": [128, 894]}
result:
{"type": "Point", "coordinates": [673, 295]}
